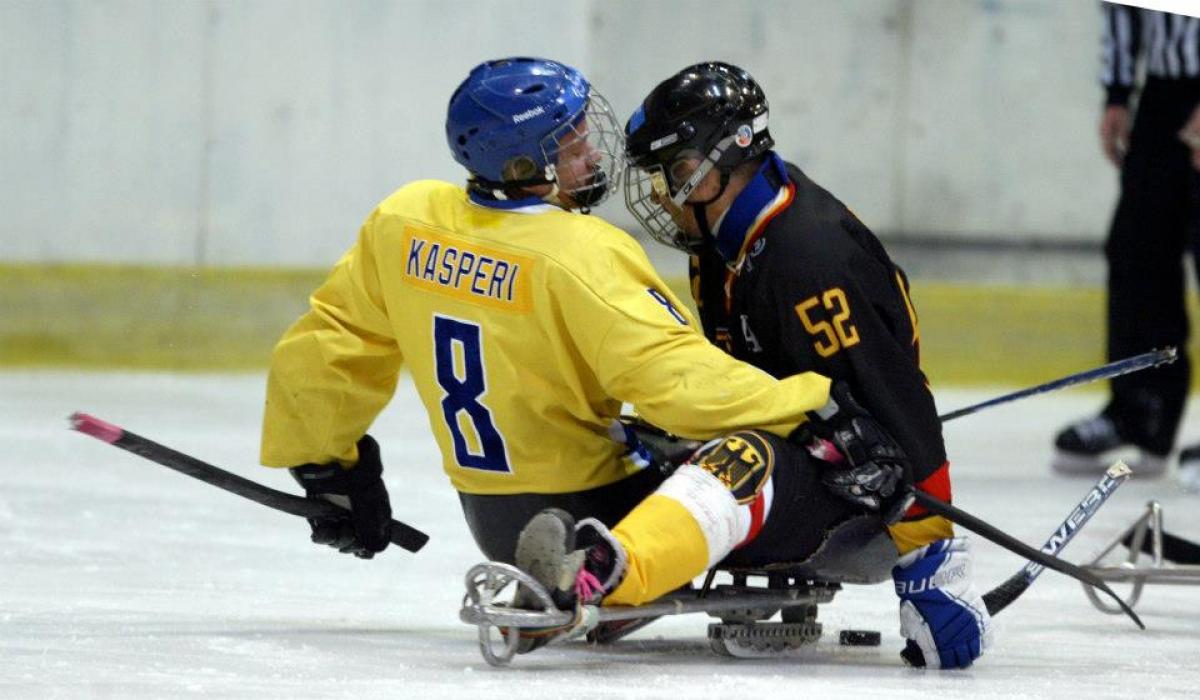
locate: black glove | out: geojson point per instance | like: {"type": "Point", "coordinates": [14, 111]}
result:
{"type": "Point", "coordinates": [364, 529]}
{"type": "Point", "coordinates": [876, 471]}
{"type": "Point", "coordinates": [660, 449]}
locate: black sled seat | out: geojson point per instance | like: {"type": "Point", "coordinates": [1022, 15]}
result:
{"type": "Point", "coordinates": [858, 551]}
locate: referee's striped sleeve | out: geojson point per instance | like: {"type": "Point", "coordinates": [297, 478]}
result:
{"type": "Point", "coordinates": [1121, 45]}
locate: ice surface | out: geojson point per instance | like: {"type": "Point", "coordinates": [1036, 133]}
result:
{"type": "Point", "coordinates": [120, 578]}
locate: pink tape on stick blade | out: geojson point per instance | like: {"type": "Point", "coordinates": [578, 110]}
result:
{"type": "Point", "coordinates": [95, 427]}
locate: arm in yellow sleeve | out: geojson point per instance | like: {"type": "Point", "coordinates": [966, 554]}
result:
{"type": "Point", "coordinates": [646, 350]}
{"type": "Point", "coordinates": [335, 368]}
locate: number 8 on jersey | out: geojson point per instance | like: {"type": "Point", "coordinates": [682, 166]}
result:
{"type": "Point", "coordinates": [463, 394]}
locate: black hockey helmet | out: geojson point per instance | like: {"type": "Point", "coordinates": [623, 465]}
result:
{"type": "Point", "coordinates": [710, 111]}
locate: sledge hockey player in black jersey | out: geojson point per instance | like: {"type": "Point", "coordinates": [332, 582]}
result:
{"type": "Point", "coordinates": [787, 279]}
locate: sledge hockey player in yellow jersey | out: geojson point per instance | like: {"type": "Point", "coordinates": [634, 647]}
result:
{"type": "Point", "coordinates": [524, 322]}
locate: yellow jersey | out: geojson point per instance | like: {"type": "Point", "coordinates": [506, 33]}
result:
{"type": "Point", "coordinates": [524, 330]}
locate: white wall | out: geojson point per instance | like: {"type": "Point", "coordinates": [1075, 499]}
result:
{"type": "Point", "coordinates": [261, 132]}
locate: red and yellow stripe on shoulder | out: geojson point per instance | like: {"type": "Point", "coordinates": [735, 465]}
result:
{"type": "Point", "coordinates": [782, 201]}
{"type": "Point", "coordinates": [467, 271]}
{"type": "Point", "coordinates": [919, 527]}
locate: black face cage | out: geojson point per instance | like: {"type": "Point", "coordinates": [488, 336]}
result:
{"type": "Point", "coordinates": [606, 141]}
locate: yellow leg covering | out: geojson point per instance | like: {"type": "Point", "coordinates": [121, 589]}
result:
{"type": "Point", "coordinates": [665, 548]}
{"type": "Point", "coordinates": [913, 534]}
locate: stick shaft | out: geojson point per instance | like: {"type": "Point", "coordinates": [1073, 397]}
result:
{"type": "Point", "coordinates": [403, 535]}
{"type": "Point", "coordinates": [1112, 479]}
{"type": "Point", "coordinates": [1174, 548]}
{"type": "Point", "coordinates": [1136, 363]}
{"type": "Point", "coordinates": [1001, 596]}
{"type": "Point", "coordinates": [1012, 544]}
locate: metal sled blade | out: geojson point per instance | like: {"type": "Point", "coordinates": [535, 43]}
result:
{"type": "Point", "coordinates": [491, 586]}
{"type": "Point", "coordinates": [482, 607]}
{"type": "Point", "coordinates": [1145, 535]}
{"type": "Point", "coordinates": [856, 551]}
{"type": "Point", "coordinates": [487, 580]}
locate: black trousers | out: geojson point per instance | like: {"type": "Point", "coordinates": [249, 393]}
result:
{"type": "Point", "coordinates": [1153, 227]}
{"type": "Point", "coordinates": [495, 521]}
{"type": "Point", "coordinates": [802, 513]}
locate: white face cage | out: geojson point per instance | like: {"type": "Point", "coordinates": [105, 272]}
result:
{"type": "Point", "coordinates": [652, 193]}
{"type": "Point", "coordinates": [604, 150]}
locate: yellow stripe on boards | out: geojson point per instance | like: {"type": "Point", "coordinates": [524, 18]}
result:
{"type": "Point", "coordinates": [158, 318]}
{"type": "Point", "coordinates": [665, 548]}
{"type": "Point", "coordinates": [204, 319]}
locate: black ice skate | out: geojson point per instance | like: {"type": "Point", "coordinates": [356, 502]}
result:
{"type": "Point", "coordinates": [1091, 445]}
{"type": "Point", "coordinates": [1189, 468]}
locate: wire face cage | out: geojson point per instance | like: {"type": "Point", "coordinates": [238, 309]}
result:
{"type": "Point", "coordinates": [588, 153]}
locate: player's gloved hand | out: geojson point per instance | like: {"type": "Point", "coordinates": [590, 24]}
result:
{"type": "Point", "coordinates": [365, 528]}
{"type": "Point", "coordinates": [941, 614]}
{"type": "Point", "coordinates": [869, 467]}
{"type": "Point", "coordinates": [650, 446]}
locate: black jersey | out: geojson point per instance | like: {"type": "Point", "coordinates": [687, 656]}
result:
{"type": "Point", "coordinates": [814, 290]}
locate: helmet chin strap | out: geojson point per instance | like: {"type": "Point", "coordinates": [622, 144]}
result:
{"type": "Point", "coordinates": [698, 208]}
{"type": "Point", "coordinates": [583, 198]}
{"type": "Point", "coordinates": [552, 197]}
{"type": "Point", "coordinates": [550, 177]}
{"type": "Point", "coordinates": [715, 156]}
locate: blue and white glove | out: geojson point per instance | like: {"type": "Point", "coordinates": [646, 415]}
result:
{"type": "Point", "coordinates": [941, 614]}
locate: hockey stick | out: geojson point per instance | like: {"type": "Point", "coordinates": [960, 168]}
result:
{"type": "Point", "coordinates": [1012, 544]}
{"type": "Point", "coordinates": [999, 597]}
{"type": "Point", "coordinates": [402, 535]}
{"type": "Point", "coordinates": [1174, 549]}
{"type": "Point", "coordinates": [1136, 363]}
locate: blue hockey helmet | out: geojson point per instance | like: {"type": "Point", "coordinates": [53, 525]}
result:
{"type": "Point", "coordinates": [507, 121]}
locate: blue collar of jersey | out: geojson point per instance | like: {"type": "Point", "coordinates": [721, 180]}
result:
{"type": "Point", "coordinates": [759, 193]}
{"type": "Point", "coordinates": [506, 204]}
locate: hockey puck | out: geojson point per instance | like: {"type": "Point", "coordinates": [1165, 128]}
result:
{"type": "Point", "coordinates": [859, 638]}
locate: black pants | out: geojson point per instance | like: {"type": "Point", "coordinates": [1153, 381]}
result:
{"type": "Point", "coordinates": [495, 521]}
{"type": "Point", "coordinates": [802, 512]}
{"type": "Point", "coordinates": [1152, 228]}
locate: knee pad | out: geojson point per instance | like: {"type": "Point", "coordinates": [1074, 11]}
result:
{"type": "Point", "coordinates": [726, 489]}
{"type": "Point", "coordinates": [743, 462]}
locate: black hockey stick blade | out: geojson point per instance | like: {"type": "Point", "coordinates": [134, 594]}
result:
{"type": "Point", "coordinates": [1012, 544]}
{"type": "Point", "coordinates": [1001, 596]}
{"type": "Point", "coordinates": [1154, 358]}
{"type": "Point", "coordinates": [1174, 549]}
{"type": "Point", "coordinates": [403, 535]}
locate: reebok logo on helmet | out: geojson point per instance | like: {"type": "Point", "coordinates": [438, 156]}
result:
{"type": "Point", "coordinates": [528, 114]}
